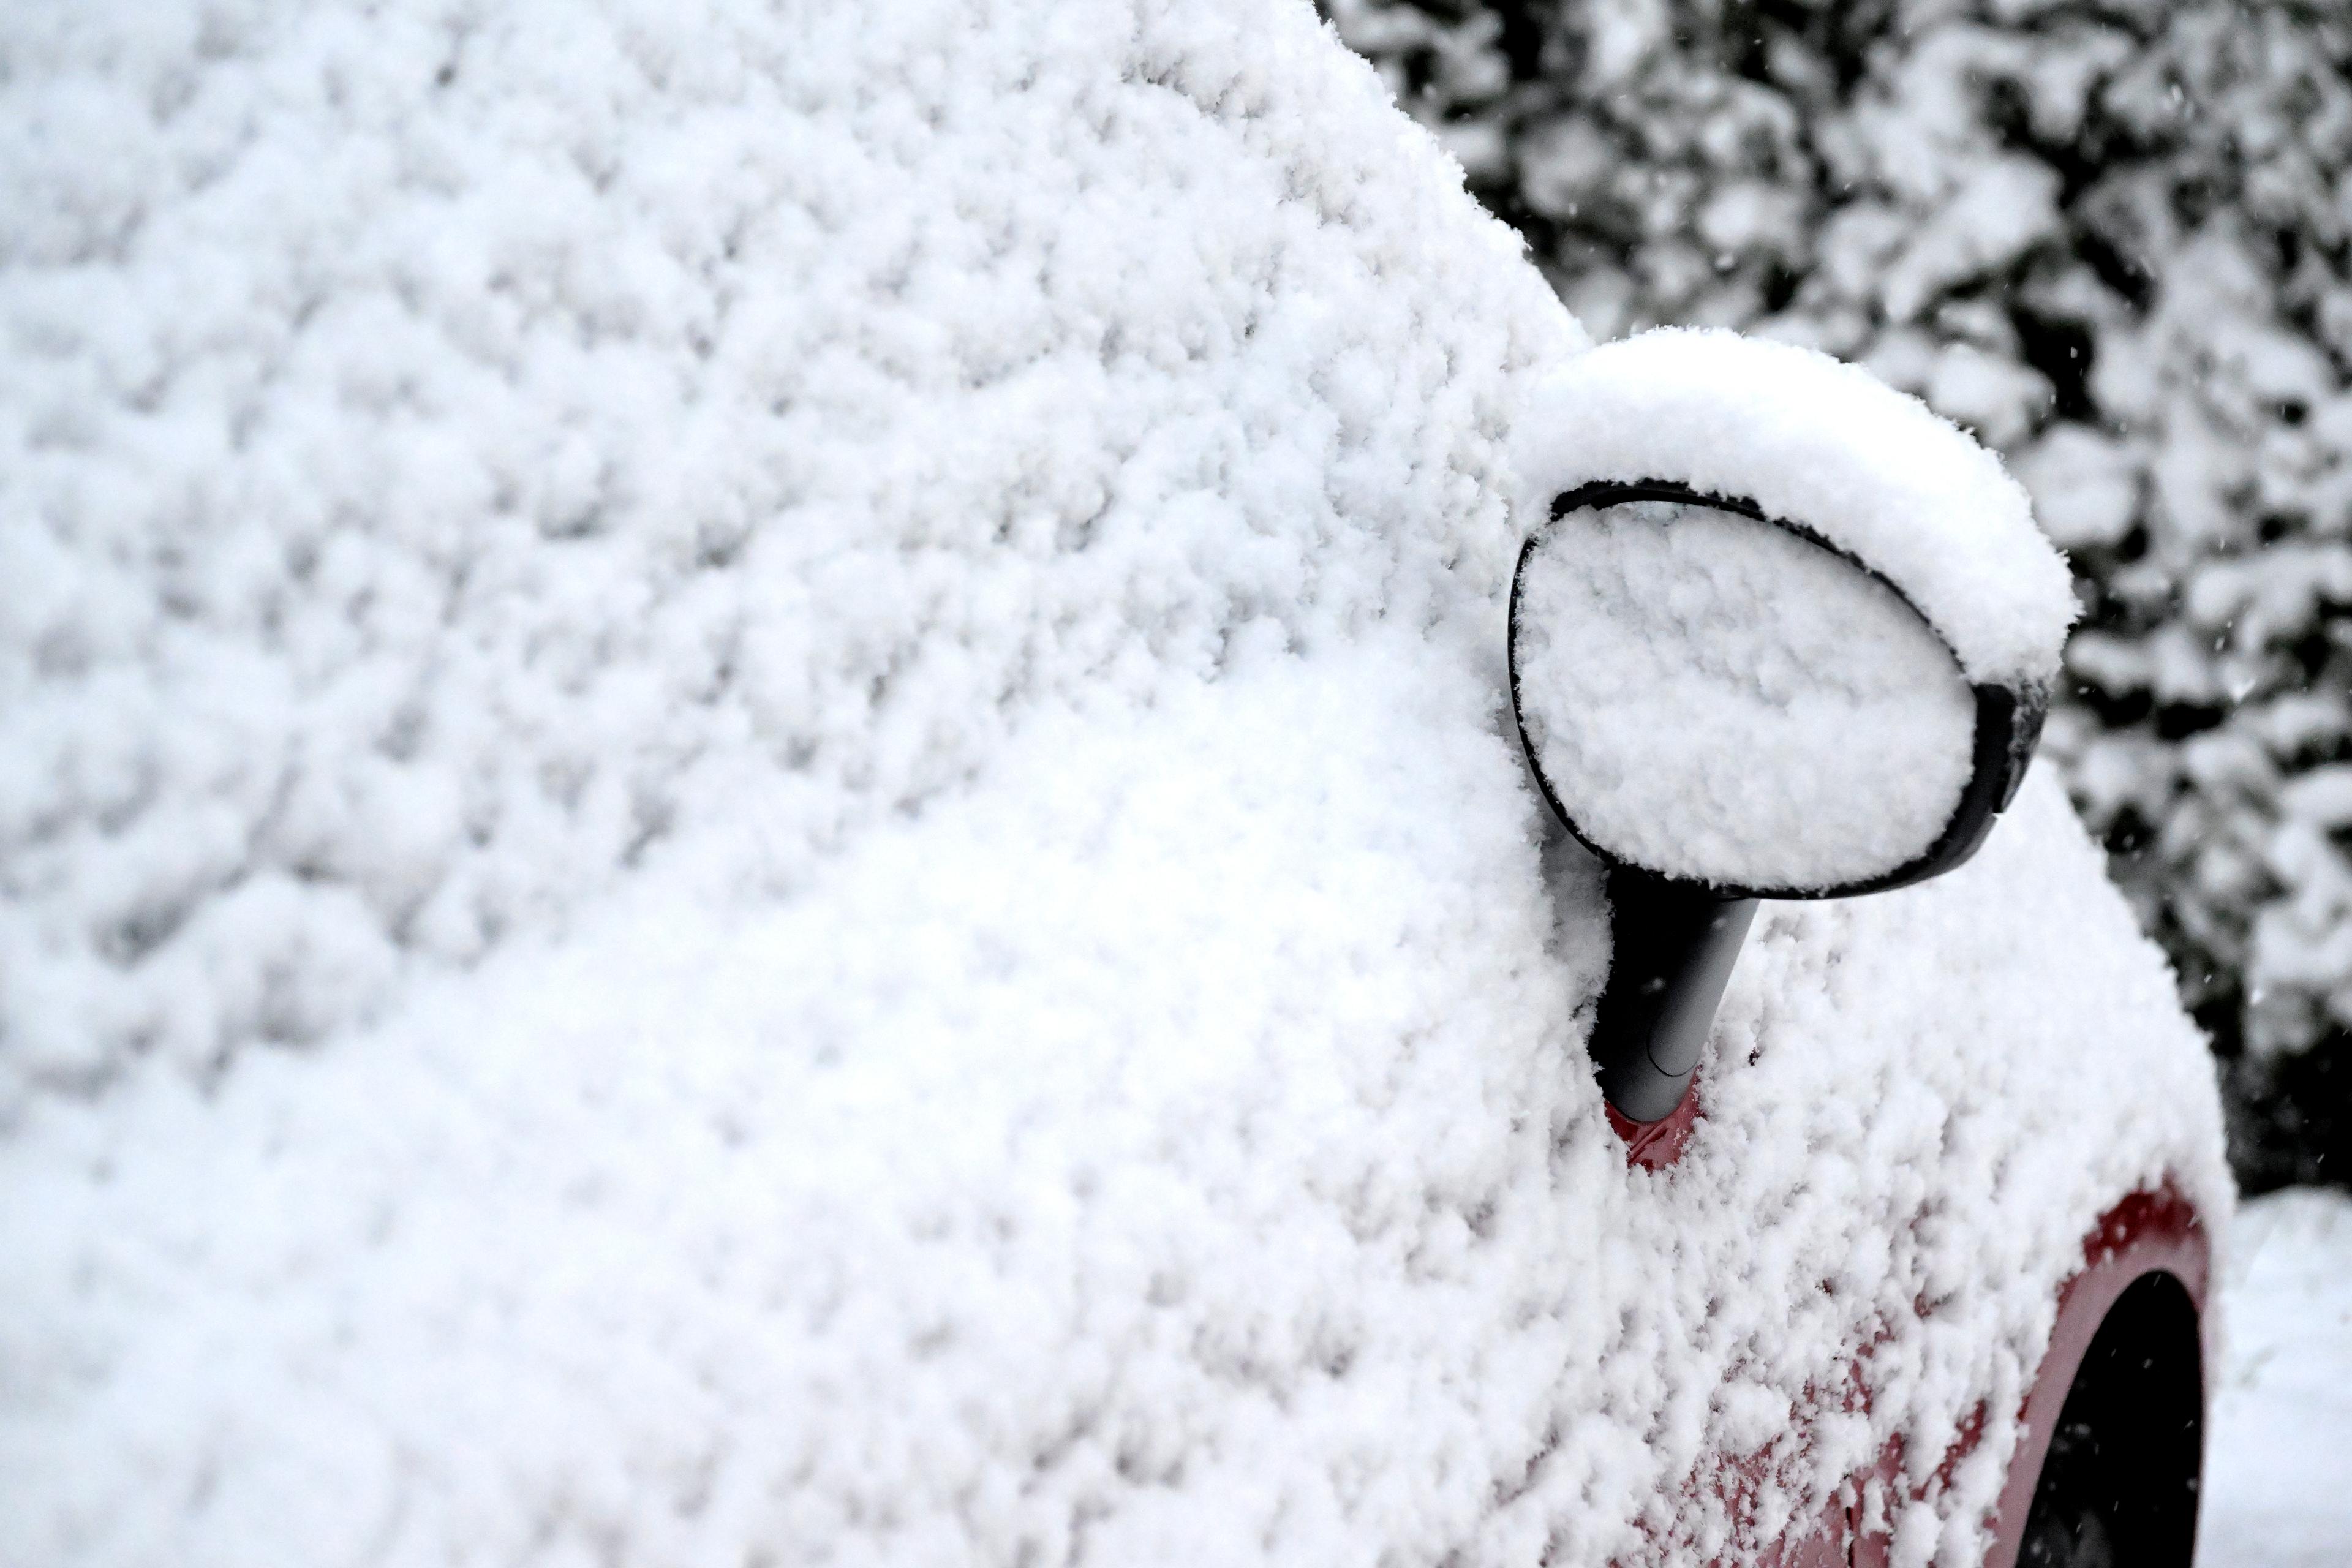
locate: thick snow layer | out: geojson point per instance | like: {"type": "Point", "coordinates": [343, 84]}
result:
{"type": "Point", "coordinates": [755, 805]}
{"type": "Point", "coordinates": [1826, 444]}
{"type": "Point", "coordinates": [450, 456]}
{"type": "Point", "coordinates": [1013, 1187]}
{"type": "Point", "coordinates": [2278, 1457]}
{"type": "Point", "coordinates": [1715, 698]}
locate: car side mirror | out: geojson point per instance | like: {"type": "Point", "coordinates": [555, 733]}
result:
{"type": "Point", "coordinates": [1767, 657]}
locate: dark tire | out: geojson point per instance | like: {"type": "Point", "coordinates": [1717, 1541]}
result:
{"type": "Point", "coordinates": [2067, 1529]}
{"type": "Point", "coordinates": [2119, 1483]}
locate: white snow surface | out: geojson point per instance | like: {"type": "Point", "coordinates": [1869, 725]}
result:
{"type": "Point", "coordinates": [754, 807]}
{"type": "Point", "coordinates": [1715, 698]}
{"type": "Point", "coordinates": [1826, 444]}
{"type": "Point", "coordinates": [2278, 1455]}
{"type": "Point", "coordinates": [428, 496]}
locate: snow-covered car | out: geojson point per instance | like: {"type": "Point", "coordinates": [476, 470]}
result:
{"type": "Point", "coordinates": [770, 791]}
{"type": "Point", "coordinates": [1776, 633]}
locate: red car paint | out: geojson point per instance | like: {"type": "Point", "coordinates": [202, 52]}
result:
{"type": "Point", "coordinates": [2149, 1232]}
{"type": "Point", "coordinates": [1654, 1145]}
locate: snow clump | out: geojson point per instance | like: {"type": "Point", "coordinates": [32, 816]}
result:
{"type": "Point", "coordinates": [1830, 447]}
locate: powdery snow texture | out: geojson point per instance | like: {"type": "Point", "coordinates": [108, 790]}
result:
{"type": "Point", "coordinates": [2278, 1456]}
{"type": "Point", "coordinates": [451, 456]}
{"type": "Point", "coordinates": [1719, 699]}
{"type": "Point", "coordinates": [1826, 444]}
{"type": "Point", "coordinates": [754, 803]}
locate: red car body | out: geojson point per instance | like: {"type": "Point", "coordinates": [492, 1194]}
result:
{"type": "Point", "coordinates": [2149, 1257]}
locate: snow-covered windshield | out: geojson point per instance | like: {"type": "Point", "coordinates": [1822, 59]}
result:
{"type": "Point", "coordinates": [1717, 697]}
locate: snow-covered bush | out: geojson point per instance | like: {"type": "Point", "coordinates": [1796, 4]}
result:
{"type": "Point", "coordinates": [2115, 240]}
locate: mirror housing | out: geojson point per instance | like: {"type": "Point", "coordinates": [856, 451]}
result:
{"type": "Point", "coordinates": [2002, 726]}
{"type": "Point", "coordinates": [1857, 608]}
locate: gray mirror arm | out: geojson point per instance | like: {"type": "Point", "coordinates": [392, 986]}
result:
{"type": "Point", "coordinates": [1672, 946]}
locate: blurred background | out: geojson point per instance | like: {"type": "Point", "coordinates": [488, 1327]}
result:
{"type": "Point", "coordinates": [2116, 240]}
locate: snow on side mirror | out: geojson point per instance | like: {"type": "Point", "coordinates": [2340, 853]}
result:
{"type": "Point", "coordinates": [1781, 632]}
{"type": "Point", "coordinates": [1713, 696]}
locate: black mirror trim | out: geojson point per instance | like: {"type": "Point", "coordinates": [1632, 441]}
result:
{"type": "Point", "coordinates": [2008, 719]}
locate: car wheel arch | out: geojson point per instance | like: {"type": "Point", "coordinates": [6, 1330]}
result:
{"type": "Point", "coordinates": [2130, 1359]}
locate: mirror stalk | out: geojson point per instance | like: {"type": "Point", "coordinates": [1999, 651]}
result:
{"type": "Point", "coordinates": [1672, 948]}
